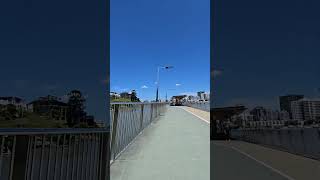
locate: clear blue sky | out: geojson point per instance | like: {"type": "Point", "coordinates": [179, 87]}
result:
{"type": "Point", "coordinates": [264, 49]}
{"type": "Point", "coordinates": [146, 34]}
{"type": "Point", "coordinates": [52, 47]}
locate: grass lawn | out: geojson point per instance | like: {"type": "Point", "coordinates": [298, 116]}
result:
{"type": "Point", "coordinates": [32, 121]}
{"type": "Point", "coordinates": [121, 100]}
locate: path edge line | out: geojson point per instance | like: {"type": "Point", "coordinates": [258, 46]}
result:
{"type": "Point", "coordinates": [195, 115]}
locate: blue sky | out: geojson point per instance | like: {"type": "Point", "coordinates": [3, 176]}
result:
{"type": "Point", "coordinates": [52, 47]}
{"type": "Point", "coordinates": [264, 49]}
{"type": "Point", "coordinates": [147, 34]}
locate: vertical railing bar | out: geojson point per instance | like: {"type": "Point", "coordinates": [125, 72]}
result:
{"type": "Point", "coordinates": [83, 155]}
{"type": "Point", "coordinates": [104, 165]}
{"type": "Point", "coordinates": [87, 159]}
{"type": "Point", "coordinates": [100, 156]}
{"type": "Point", "coordinates": [151, 116]}
{"type": "Point", "coordinates": [128, 125]}
{"type": "Point", "coordinates": [138, 123]}
{"type": "Point", "coordinates": [27, 172]}
{"type": "Point", "coordinates": [141, 118]}
{"type": "Point", "coordinates": [117, 137]}
{"type": "Point", "coordinates": [94, 157]}
{"type": "Point", "coordinates": [123, 130]}
{"type": "Point", "coordinates": [114, 130]}
{"type": "Point", "coordinates": [134, 124]}
{"type": "Point", "coordinates": [33, 155]}
{"type": "Point", "coordinates": [78, 158]}
{"type": "Point", "coordinates": [68, 157]}
{"type": "Point", "coordinates": [12, 156]}
{"type": "Point", "coordinates": [128, 121]}
{"type": "Point", "coordinates": [56, 157]}
{"type": "Point", "coordinates": [41, 158]}
{"type": "Point", "coordinates": [61, 165]}
{"type": "Point", "coordinates": [73, 158]}
{"type": "Point", "coordinates": [97, 157]}
{"type": "Point", "coordinates": [131, 127]}
{"type": "Point", "coordinates": [49, 158]}
{"type": "Point", "coordinates": [1, 153]}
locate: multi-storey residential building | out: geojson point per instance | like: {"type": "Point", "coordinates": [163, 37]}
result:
{"type": "Point", "coordinates": [259, 113]}
{"type": "Point", "coordinates": [17, 102]}
{"type": "Point", "coordinates": [285, 102]}
{"type": "Point", "coordinates": [272, 115]}
{"type": "Point", "coordinates": [306, 109]}
{"type": "Point", "coordinates": [114, 95]}
{"type": "Point", "coordinates": [243, 118]}
{"type": "Point", "coordinates": [284, 115]}
{"type": "Point", "coordinates": [50, 107]}
{"type": "Point", "coordinates": [201, 95]}
{"type": "Point", "coordinates": [206, 96]}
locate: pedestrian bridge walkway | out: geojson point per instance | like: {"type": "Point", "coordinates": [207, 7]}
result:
{"type": "Point", "coordinates": [175, 146]}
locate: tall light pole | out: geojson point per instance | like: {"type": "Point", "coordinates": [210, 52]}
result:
{"type": "Point", "coordinates": [158, 74]}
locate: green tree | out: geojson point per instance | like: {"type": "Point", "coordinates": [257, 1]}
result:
{"type": "Point", "coordinates": [134, 97]}
{"type": "Point", "coordinates": [76, 105]}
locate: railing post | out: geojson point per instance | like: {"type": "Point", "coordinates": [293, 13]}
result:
{"type": "Point", "coordinates": [151, 112]}
{"type": "Point", "coordinates": [114, 130]}
{"type": "Point", "coordinates": [105, 157]}
{"type": "Point", "coordinates": [142, 116]}
{"type": "Point", "coordinates": [20, 158]}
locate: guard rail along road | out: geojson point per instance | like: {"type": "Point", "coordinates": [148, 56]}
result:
{"type": "Point", "coordinates": [128, 120]}
{"type": "Point", "coordinates": [54, 154]}
{"type": "Point", "coordinates": [300, 141]}
{"type": "Point", "coordinates": [202, 105]}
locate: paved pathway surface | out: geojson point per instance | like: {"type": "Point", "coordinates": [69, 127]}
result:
{"type": "Point", "coordinates": [250, 161]}
{"type": "Point", "coordinates": [204, 115]}
{"type": "Point", "coordinates": [174, 147]}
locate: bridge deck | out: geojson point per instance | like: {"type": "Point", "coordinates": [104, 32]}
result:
{"type": "Point", "coordinates": [175, 147]}
{"type": "Point", "coordinates": [245, 161]}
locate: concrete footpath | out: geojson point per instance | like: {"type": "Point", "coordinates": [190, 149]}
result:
{"type": "Point", "coordinates": [276, 163]}
{"type": "Point", "coordinates": [203, 115]}
{"type": "Point", "coordinates": [177, 146]}
{"type": "Point", "coordinates": [174, 147]}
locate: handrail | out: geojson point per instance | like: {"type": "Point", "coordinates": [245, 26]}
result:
{"type": "Point", "coordinates": [128, 120]}
{"type": "Point", "coordinates": [45, 131]}
{"type": "Point", "coordinates": [35, 154]}
{"type": "Point", "coordinates": [202, 105]}
{"type": "Point", "coordinates": [138, 103]}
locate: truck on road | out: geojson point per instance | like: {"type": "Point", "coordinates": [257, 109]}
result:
{"type": "Point", "coordinates": [177, 100]}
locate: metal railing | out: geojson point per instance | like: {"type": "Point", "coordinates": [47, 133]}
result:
{"type": "Point", "coordinates": [300, 141]}
{"type": "Point", "coordinates": [54, 154]}
{"type": "Point", "coordinates": [128, 120]}
{"type": "Point", "coordinates": [202, 105]}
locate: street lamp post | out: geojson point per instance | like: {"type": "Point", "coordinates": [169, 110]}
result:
{"type": "Point", "coordinates": [158, 77]}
